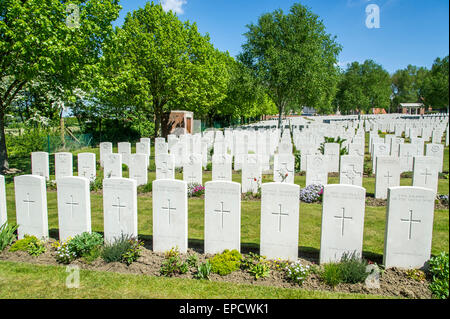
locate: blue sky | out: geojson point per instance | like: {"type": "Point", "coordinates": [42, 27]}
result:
{"type": "Point", "coordinates": [410, 31]}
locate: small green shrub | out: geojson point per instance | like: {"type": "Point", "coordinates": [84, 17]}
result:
{"type": "Point", "coordinates": [81, 245]}
{"type": "Point", "coordinates": [416, 274]}
{"type": "Point", "coordinates": [203, 270]}
{"type": "Point", "coordinates": [7, 235]}
{"type": "Point", "coordinates": [439, 270]}
{"type": "Point", "coordinates": [63, 254]}
{"type": "Point", "coordinates": [260, 270]}
{"type": "Point", "coordinates": [209, 166]}
{"type": "Point", "coordinates": [147, 188]}
{"type": "Point", "coordinates": [250, 260]}
{"type": "Point", "coordinates": [351, 269]}
{"type": "Point", "coordinates": [173, 264]}
{"type": "Point", "coordinates": [96, 184]}
{"type": "Point", "coordinates": [125, 249]}
{"type": "Point", "coordinates": [331, 274]}
{"type": "Point", "coordinates": [192, 260]}
{"type": "Point", "coordinates": [226, 262]}
{"type": "Point", "coordinates": [30, 244]}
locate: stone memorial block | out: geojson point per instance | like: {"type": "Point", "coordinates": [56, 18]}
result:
{"type": "Point", "coordinates": [40, 164]}
{"type": "Point", "coordinates": [138, 168]}
{"type": "Point", "coordinates": [406, 153]}
{"type": "Point", "coordinates": [63, 164]}
{"type": "Point", "coordinates": [251, 174]}
{"type": "Point", "coordinates": [379, 149]}
{"type": "Point", "coordinates": [105, 148]}
{"type": "Point", "coordinates": [331, 152]}
{"type": "Point", "coordinates": [222, 216]}
{"type": "Point", "coordinates": [161, 147]}
{"type": "Point", "coordinates": [143, 148]}
{"type": "Point", "coordinates": [279, 221]}
{"type": "Point", "coordinates": [124, 148]}
{"type": "Point", "coordinates": [31, 206]}
{"type": "Point", "coordinates": [436, 150]}
{"type": "Point", "coordinates": [170, 215]}
{"type": "Point", "coordinates": [356, 149]}
{"type": "Point", "coordinates": [112, 165]}
{"type": "Point", "coordinates": [165, 166]}
{"type": "Point", "coordinates": [395, 145]}
{"type": "Point", "coordinates": [120, 208]}
{"type": "Point", "coordinates": [425, 172]}
{"type": "Point", "coordinates": [74, 206]}
{"type": "Point", "coordinates": [386, 175]}
{"type": "Point", "coordinates": [87, 166]}
{"type": "Point", "coordinates": [283, 168]}
{"type": "Point", "coordinates": [409, 227]}
{"type": "Point", "coordinates": [342, 222]}
{"type": "Point", "coordinates": [419, 143]}
{"type": "Point", "coordinates": [285, 147]}
{"type": "Point", "coordinates": [351, 170]}
{"type": "Point", "coordinates": [192, 169]}
{"type": "Point", "coordinates": [305, 150]}
{"type": "Point", "coordinates": [221, 167]}
{"type": "Point", "coordinates": [3, 214]}
{"type": "Point", "coordinates": [316, 170]}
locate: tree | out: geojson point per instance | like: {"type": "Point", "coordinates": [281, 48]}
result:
{"type": "Point", "coordinates": [435, 86]}
{"type": "Point", "coordinates": [36, 42]}
{"type": "Point", "coordinates": [407, 84]}
{"type": "Point", "coordinates": [363, 87]}
{"type": "Point", "coordinates": [166, 64]}
{"type": "Point", "coordinates": [293, 57]}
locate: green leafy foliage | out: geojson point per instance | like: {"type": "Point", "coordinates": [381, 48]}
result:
{"type": "Point", "coordinates": [30, 244]}
{"type": "Point", "coordinates": [172, 264]}
{"type": "Point", "coordinates": [203, 270]}
{"type": "Point", "coordinates": [226, 262]}
{"type": "Point", "coordinates": [438, 267]}
{"type": "Point", "coordinates": [7, 235]}
{"type": "Point", "coordinates": [260, 270]}
{"type": "Point", "coordinates": [81, 245]}
{"type": "Point", "coordinates": [351, 269]}
{"type": "Point", "coordinates": [124, 249]}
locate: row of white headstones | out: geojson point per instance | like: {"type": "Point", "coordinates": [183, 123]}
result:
{"type": "Point", "coordinates": [409, 216]}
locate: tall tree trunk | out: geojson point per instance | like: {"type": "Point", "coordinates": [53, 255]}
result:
{"type": "Point", "coordinates": [4, 165]}
{"type": "Point", "coordinates": [62, 128]}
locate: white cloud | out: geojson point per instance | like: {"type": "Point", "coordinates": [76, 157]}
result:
{"type": "Point", "coordinates": [174, 5]}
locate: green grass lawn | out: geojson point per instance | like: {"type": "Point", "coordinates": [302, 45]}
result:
{"type": "Point", "coordinates": [26, 281]}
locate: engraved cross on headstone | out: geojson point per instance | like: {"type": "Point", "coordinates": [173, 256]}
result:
{"type": "Point", "coordinates": [410, 221]}
{"type": "Point", "coordinates": [72, 203]}
{"type": "Point", "coordinates": [169, 209]}
{"type": "Point", "coordinates": [426, 174]}
{"type": "Point", "coordinates": [118, 206]}
{"type": "Point", "coordinates": [222, 211]}
{"type": "Point", "coordinates": [388, 177]}
{"type": "Point", "coordinates": [27, 201]}
{"type": "Point", "coordinates": [343, 218]}
{"type": "Point", "coordinates": [279, 214]}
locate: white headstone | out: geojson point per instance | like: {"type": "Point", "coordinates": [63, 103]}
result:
{"type": "Point", "coordinates": [138, 168]}
{"type": "Point", "coordinates": [165, 166]}
{"type": "Point", "coordinates": [351, 170]}
{"type": "Point", "coordinates": [251, 174]}
{"type": "Point", "coordinates": [31, 206]}
{"type": "Point", "coordinates": [331, 152]}
{"type": "Point", "coordinates": [342, 222]}
{"type": "Point", "coordinates": [39, 164]}
{"type": "Point", "coordinates": [74, 206]}
{"type": "Point", "coordinates": [436, 150]}
{"type": "Point", "coordinates": [279, 220]}
{"type": "Point", "coordinates": [170, 215]}
{"type": "Point", "coordinates": [283, 168]}
{"type": "Point", "coordinates": [406, 153]}
{"type": "Point", "coordinates": [425, 172]}
{"type": "Point", "coordinates": [192, 169]}
{"type": "Point", "coordinates": [120, 208]}
{"type": "Point", "coordinates": [316, 170]}
{"type": "Point", "coordinates": [86, 166]}
{"type": "Point", "coordinates": [409, 227]}
{"type": "Point", "coordinates": [387, 175]}
{"type": "Point", "coordinates": [112, 165]}
{"type": "Point", "coordinates": [221, 167]}
{"type": "Point", "coordinates": [105, 148]}
{"type": "Point", "coordinates": [124, 148]}
{"type": "Point", "coordinates": [63, 164]}
{"type": "Point", "coordinates": [3, 214]}
{"type": "Point", "coordinates": [222, 216]}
